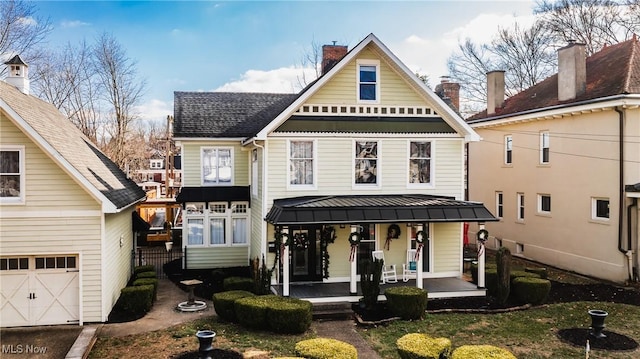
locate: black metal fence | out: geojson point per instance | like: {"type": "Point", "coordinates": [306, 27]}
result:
{"type": "Point", "coordinates": [157, 256]}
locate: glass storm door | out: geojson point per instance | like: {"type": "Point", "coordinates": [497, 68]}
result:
{"type": "Point", "coordinates": [306, 254]}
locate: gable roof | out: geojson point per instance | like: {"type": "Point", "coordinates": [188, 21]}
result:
{"type": "Point", "coordinates": [613, 71]}
{"type": "Point", "coordinates": [255, 115]}
{"type": "Point", "coordinates": [70, 149]}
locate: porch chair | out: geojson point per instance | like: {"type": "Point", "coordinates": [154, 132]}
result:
{"type": "Point", "coordinates": [388, 270]}
{"type": "Point", "coordinates": [410, 266]}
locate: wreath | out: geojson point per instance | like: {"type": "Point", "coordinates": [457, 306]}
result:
{"type": "Point", "coordinates": [483, 235]}
{"type": "Point", "coordinates": [355, 238]}
{"type": "Point", "coordinates": [300, 241]}
{"type": "Point", "coordinates": [328, 237]}
{"type": "Point", "coordinates": [420, 237]}
{"type": "Point", "coordinates": [393, 232]}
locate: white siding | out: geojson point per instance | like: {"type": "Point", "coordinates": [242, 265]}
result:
{"type": "Point", "coordinates": [117, 256]}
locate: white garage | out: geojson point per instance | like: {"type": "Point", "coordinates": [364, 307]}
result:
{"type": "Point", "coordinates": [39, 290]}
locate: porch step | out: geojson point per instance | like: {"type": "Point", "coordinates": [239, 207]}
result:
{"type": "Point", "coordinates": [332, 311]}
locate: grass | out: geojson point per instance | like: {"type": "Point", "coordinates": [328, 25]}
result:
{"type": "Point", "coordinates": [529, 334]}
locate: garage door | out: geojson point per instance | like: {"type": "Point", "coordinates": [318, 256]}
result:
{"type": "Point", "coordinates": [39, 290]}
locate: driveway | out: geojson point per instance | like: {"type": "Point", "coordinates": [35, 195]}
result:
{"type": "Point", "coordinates": [44, 342]}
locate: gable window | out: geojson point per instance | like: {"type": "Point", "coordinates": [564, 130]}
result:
{"type": "Point", "coordinates": [544, 203]}
{"type": "Point", "coordinates": [508, 149]}
{"type": "Point", "coordinates": [156, 163]}
{"type": "Point", "coordinates": [520, 206]}
{"type": "Point", "coordinates": [301, 163]}
{"type": "Point", "coordinates": [220, 224]}
{"type": "Point", "coordinates": [217, 166]}
{"type": "Point", "coordinates": [368, 81]}
{"type": "Point", "coordinates": [544, 147]}
{"type": "Point", "coordinates": [12, 174]}
{"type": "Point", "coordinates": [366, 162]}
{"type": "Point", "coordinates": [499, 204]}
{"type": "Point", "coordinates": [600, 208]}
{"type": "Point", "coordinates": [420, 162]}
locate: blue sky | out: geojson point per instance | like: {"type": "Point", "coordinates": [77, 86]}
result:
{"type": "Point", "coordinates": [259, 45]}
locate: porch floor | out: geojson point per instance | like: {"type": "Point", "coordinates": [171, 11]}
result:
{"type": "Point", "coordinates": [316, 292]}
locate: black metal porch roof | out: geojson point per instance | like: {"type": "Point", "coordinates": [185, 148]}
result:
{"type": "Point", "coordinates": [410, 208]}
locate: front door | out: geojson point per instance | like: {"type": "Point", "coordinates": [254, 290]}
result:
{"type": "Point", "coordinates": [306, 253]}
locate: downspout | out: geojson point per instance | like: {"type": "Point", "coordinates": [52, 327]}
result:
{"type": "Point", "coordinates": [263, 246]}
{"type": "Point", "coordinates": [621, 207]}
{"type": "Point", "coordinates": [633, 272]}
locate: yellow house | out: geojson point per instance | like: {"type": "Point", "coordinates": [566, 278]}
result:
{"type": "Point", "coordinates": [65, 215]}
{"type": "Point", "coordinates": [560, 163]}
{"type": "Point", "coordinates": [365, 160]}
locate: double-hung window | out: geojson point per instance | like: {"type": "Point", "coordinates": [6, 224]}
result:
{"type": "Point", "coordinates": [12, 171]}
{"type": "Point", "coordinates": [366, 162]}
{"type": "Point", "coordinates": [544, 147]}
{"type": "Point", "coordinates": [302, 164]}
{"type": "Point", "coordinates": [220, 224]}
{"type": "Point", "coordinates": [499, 204]}
{"type": "Point", "coordinates": [508, 150]}
{"type": "Point", "coordinates": [217, 166]}
{"type": "Point", "coordinates": [368, 81]}
{"type": "Point", "coordinates": [420, 163]}
{"type": "Point", "coordinates": [520, 207]}
{"type": "Point", "coordinates": [600, 209]}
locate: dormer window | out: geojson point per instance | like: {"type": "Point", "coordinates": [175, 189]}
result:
{"type": "Point", "coordinates": [16, 70]}
{"type": "Point", "coordinates": [368, 81]}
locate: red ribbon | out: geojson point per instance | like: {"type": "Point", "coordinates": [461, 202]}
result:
{"type": "Point", "coordinates": [352, 255]}
{"type": "Point", "coordinates": [387, 243]}
{"type": "Point", "coordinates": [416, 256]}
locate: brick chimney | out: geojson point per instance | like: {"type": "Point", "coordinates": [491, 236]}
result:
{"type": "Point", "coordinates": [495, 90]}
{"type": "Point", "coordinates": [572, 71]}
{"type": "Point", "coordinates": [331, 54]}
{"type": "Point", "coordinates": [448, 90]}
{"type": "Point", "coordinates": [18, 74]}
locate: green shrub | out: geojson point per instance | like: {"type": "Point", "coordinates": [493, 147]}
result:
{"type": "Point", "coordinates": [481, 352]}
{"type": "Point", "coordinates": [223, 303]}
{"type": "Point", "coordinates": [371, 272]}
{"type": "Point", "coordinates": [422, 346]}
{"type": "Point", "coordinates": [238, 283]}
{"type": "Point", "coordinates": [325, 348]}
{"type": "Point", "coordinates": [406, 302]}
{"type": "Point", "coordinates": [144, 268]}
{"type": "Point", "coordinates": [542, 272]}
{"type": "Point", "coordinates": [261, 276]}
{"type": "Point", "coordinates": [523, 274]}
{"type": "Point", "coordinates": [531, 290]}
{"type": "Point", "coordinates": [289, 315]}
{"type": "Point", "coordinates": [146, 274]}
{"type": "Point", "coordinates": [251, 312]}
{"type": "Point", "coordinates": [474, 270]}
{"type": "Point", "coordinates": [503, 262]}
{"type": "Point", "coordinates": [147, 281]}
{"type": "Point", "coordinates": [135, 301]}
{"type": "Point", "coordinates": [491, 281]}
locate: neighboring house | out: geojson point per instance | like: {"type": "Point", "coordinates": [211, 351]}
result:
{"type": "Point", "coordinates": [560, 162]}
{"type": "Point", "coordinates": [156, 172]}
{"type": "Point", "coordinates": [66, 210]}
{"type": "Point", "coordinates": [367, 148]}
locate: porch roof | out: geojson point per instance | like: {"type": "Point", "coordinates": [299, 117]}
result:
{"type": "Point", "coordinates": [375, 209]}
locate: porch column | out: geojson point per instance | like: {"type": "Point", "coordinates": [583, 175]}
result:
{"type": "Point", "coordinates": [481, 259]}
{"type": "Point", "coordinates": [419, 268]}
{"type": "Point", "coordinates": [285, 266]}
{"type": "Point", "coordinates": [353, 285]}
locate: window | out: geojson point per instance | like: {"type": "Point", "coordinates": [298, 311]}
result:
{"type": "Point", "coordinates": [544, 203]}
{"type": "Point", "coordinates": [11, 174]}
{"type": "Point", "coordinates": [544, 147]}
{"type": "Point", "coordinates": [226, 225]}
{"type": "Point", "coordinates": [600, 208]}
{"type": "Point", "coordinates": [14, 263]}
{"type": "Point", "coordinates": [499, 204]}
{"type": "Point", "coordinates": [301, 163]}
{"type": "Point", "coordinates": [520, 207]}
{"type": "Point", "coordinates": [368, 83]}
{"type": "Point", "coordinates": [254, 172]}
{"type": "Point", "coordinates": [420, 162]}
{"type": "Point", "coordinates": [217, 166]}
{"type": "Point", "coordinates": [366, 162]}
{"type": "Point", "coordinates": [367, 244]}
{"type": "Point", "coordinates": [508, 149]}
{"type": "Point", "coordinates": [156, 163]}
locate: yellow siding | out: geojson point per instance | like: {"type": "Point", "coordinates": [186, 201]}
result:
{"type": "Point", "coordinates": [192, 169]}
{"type": "Point", "coordinates": [341, 89]}
{"type": "Point", "coordinates": [257, 214]}
{"type": "Point", "coordinates": [117, 257]}
{"type": "Point", "coordinates": [447, 247]}
{"type": "Point", "coordinates": [216, 257]}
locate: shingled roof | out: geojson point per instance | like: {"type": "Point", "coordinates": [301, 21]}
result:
{"type": "Point", "coordinates": [57, 136]}
{"type": "Point", "coordinates": [614, 70]}
{"type": "Point", "coordinates": [226, 114]}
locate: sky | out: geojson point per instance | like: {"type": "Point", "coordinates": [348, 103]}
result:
{"type": "Point", "coordinates": [259, 46]}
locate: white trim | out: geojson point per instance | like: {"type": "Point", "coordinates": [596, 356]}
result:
{"type": "Point", "coordinates": [366, 186]}
{"type": "Point", "coordinates": [543, 134]}
{"type": "Point", "coordinates": [540, 210]}
{"type": "Point", "coordinates": [432, 165]}
{"type": "Point", "coordinates": [233, 167]}
{"type": "Point", "coordinates": [104, 311]}
{"type": "Point", "coordinates": [507, 147]}
{"type": "Point", "coordinates": [107, 205]}
{"type": "Point", "coordinates": [375, 135]}
{"type": "Point", "coordinates": [519, 204]}
{"type": "Point", "coordinates": [499, 203]}
{"type": "Point", "coordinates": [50, 214]}
{"type": "Point", "coordinates": [314, 149]}
{"type": "Point", "coordinates": [368, 62]}
{"type": "Point", "coordinates": [20, 200]}
{"type": "Point", "coordinates": [594, 210]}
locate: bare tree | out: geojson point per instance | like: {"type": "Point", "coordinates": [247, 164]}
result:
{"type": "Point", "coordinates": [121, 89]}
{"type": "Point", "coordinates": [468, 67]}
{"type": "Point", "coordinates": [312, 58]}
{"type": "Point", "coordinates": [21, 31]}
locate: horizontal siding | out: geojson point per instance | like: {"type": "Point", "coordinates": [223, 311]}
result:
{"type": "Point", "coordinates": [217, 257]}
{"type": "Point", "coordinates": [48, 187]}
{"type": "Point", "coordinates": [192, 169]}
{"type": "Point", "coordinates": [117, 257]}
{"type": "Point", "coordinates": [447, 247]}
{"type": "Point", "coordinates": [32, 236]}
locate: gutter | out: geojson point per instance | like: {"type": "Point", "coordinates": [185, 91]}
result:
{"type": "Point", "coordinates": [621, 207]}
{"type": "Point", "coordinates": [633, 271]}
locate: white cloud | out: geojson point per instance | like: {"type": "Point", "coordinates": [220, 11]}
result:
{"type": "Point", "coordinates": [28, 21]}
{"type": "Point", "coordinates": [74, 23]}
{"type": "Point", "coordinates": [155, 110]}
{"type": "Point", "coordinates": [282, 80]}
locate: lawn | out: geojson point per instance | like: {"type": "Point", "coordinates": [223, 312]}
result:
{"type": "Point", "coordinates": [529, 334]}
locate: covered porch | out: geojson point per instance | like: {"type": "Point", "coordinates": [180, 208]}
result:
{"type": "Point", "coordinates": [339, 292]}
